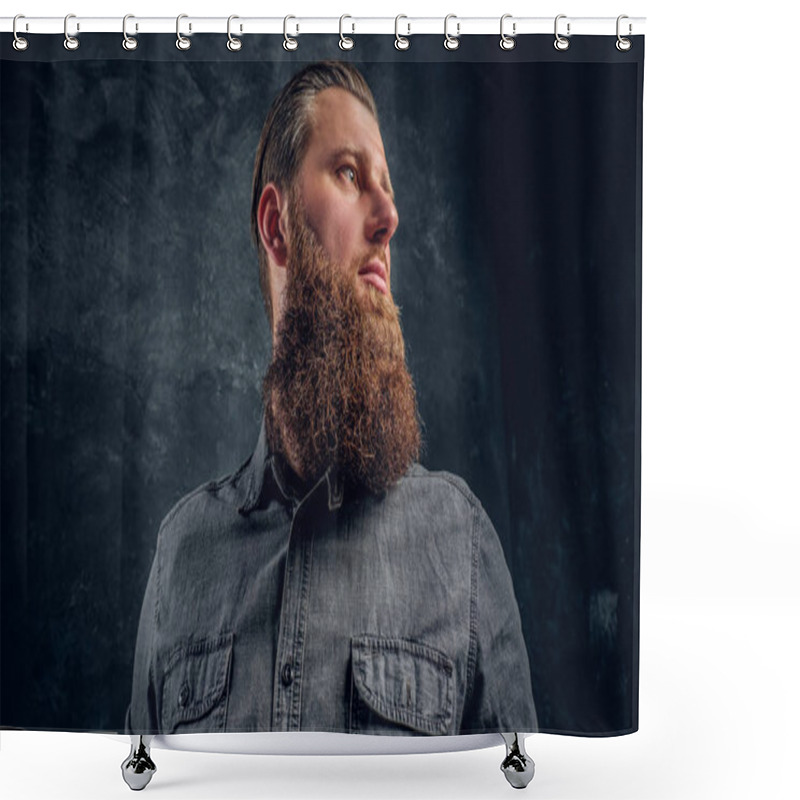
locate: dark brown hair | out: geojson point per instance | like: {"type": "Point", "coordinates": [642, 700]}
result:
{"type": "Point", "coordinates": [285, 136]}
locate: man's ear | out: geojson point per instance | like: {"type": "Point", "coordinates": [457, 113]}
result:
{"type": "Point", "coordinates": [272, 224]}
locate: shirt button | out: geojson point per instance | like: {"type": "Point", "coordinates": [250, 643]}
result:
{"type": "Point", "coordinates": [183, 696]}
{"type": "Point", "coordinates": [287, 674]}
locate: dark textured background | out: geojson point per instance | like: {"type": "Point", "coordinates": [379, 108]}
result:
{"type": "Point", "coordinates": [134, 341]}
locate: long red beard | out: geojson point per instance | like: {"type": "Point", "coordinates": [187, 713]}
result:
{"type": "Point", "coordinates": [338, 392]}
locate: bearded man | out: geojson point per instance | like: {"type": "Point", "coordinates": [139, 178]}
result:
{"type": "Point", "coordinates": [331, 583]}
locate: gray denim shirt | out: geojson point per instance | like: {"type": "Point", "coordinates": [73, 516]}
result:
{"type": "Point", "coordinates": [277, 607]}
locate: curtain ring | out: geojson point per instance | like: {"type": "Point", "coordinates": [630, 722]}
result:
{"type": "Point", "coordinates": [182, 43]}
{"type": "Point", "coordinates": [20, 42]}
{"type": "Point", "coordinates": [400, 42]}
{"type": "Point", "coordinates": [233, 44]}
{"type": "Point", "coordinates": [508, 42]}
{"type": "Point", "coordinates": [451, 42]}
{"type": "Point", "coordinates": [561, 43]}
{"type": "Point", "coordinates": [288, 42]}
{"type": "Point", "coordinates": [345, 42]}
{"type": "Point", "coordinates": [128, 42]}
{"type": "Point", "coordinates": [623, 44]}
{"type": "Point", "coordinates": [70, 42]}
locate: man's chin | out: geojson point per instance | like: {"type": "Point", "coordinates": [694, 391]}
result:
{"type": "Point", "coordinates": [372, 300]}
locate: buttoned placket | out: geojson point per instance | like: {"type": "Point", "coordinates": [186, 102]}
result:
{"type": "Point", "coordinates": [286, 703]}
{"type": "Point", "coordinates": [312, 510]}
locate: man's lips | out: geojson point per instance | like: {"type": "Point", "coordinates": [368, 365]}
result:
{"type": "Point", "coordinates": [374, 273]}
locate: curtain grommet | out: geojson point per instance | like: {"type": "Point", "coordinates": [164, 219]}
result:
{"type": "Point", "coordinates": [71, 43]}
{"type": "Point", "coordinates": [345, 42]}
{"type": "Point", "coordinates": [451, 42]}
{"type": "Point", "coordinates": [622, 44]}
{"type": "Point", "coordinates": [561, 43]}
{"type": "Point", "coordinates": [20, 43]}
{"type": "Point", "coordinates": [401, 42]}
{"type": "Point", "coordinates": [129, 43]}
{"type": "Point", "coordinates": [233, 44]}
{"type": "Point", "coordinates": [182, 42]}
{"type": "Point", "coordinates": [507, 42]}
{"type": "Point", "coordinates": [289, 43]}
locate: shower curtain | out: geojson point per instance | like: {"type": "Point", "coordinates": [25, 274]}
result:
{"type": "Point", "coordinates": [134, 345]}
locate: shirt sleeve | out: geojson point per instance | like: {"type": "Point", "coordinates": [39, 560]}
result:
{"type": "Point", "coordinates": [499, 696]}
{"type": "Point", "coordinates": [142, 715]}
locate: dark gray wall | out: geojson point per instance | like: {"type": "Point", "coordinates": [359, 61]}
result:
{"type": "Point", "coordinates": [134, 340]}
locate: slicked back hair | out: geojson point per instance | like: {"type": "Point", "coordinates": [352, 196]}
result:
{"type": "Point", "coordinates": [285, 137]}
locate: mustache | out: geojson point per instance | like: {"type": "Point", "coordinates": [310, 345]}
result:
{"type": "Point", "coordinates": [376, 253]}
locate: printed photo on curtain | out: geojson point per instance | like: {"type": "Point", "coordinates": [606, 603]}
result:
{"type": "Point", "coordinates": [320, 385]}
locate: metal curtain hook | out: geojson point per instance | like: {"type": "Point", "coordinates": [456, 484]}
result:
{"type": "Point", "coordinates": [20, 42]}
{"type": "Point", "coordinates": [233, 43]}
{"type": "Point", "coordinates": [561, 43]}
{"type": "Point", "coordinates": [508, 42]}
{"type": "Point", "coordinates": [128, 42]}
{"type": "Point", "coordinates": [345, 42]}
{"type": "Point", "coordinates": [623, 44]}
{"type": "Point", "coordinates": [400, 42]}
{"type": "Point", "coordinates": [70, 42]}
{"type": "Point", "coordinates": [182, 43]}
{"type": "Point", "coordinates": [451, 42]}
{"type": "Point", "coordinates": [288, 42]}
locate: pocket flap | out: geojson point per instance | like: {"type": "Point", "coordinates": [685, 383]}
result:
{"type": "Point", "coordinates": [405, 682]}
{"type": "Point", "coordinates": [195, 680]}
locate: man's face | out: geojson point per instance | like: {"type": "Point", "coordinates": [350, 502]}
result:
{"type": "Point", "coordinates": [344, 188]}
{"type": "Point", "coordinates": [338, 391]}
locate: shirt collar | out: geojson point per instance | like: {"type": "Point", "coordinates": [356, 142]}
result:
{"type": "Point", "coordinates": [269, 476]}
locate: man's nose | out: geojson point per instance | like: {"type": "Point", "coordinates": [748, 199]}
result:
{"type": "Point", "coordinates": [383, 219]}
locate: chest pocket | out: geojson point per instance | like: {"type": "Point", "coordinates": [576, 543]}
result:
{"type": "Point", "coordinates": [400, 686]}
{"type": "Point", "coordinates": [194, 697]}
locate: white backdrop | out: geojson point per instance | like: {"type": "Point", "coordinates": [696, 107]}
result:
{"type": "Point", "coordinates": [720, 612]}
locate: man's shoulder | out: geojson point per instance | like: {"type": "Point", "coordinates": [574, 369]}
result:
{"type": "Point", "coordinates": [438, 486]}
{"type": "Point", "coordinates": [203, 506]}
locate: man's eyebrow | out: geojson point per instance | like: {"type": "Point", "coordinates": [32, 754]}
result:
{"type": "Point", "coordinates": [359, 157]}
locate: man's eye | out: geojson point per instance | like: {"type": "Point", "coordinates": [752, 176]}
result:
{"type": "Point", "coordinates": [349, 173]}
